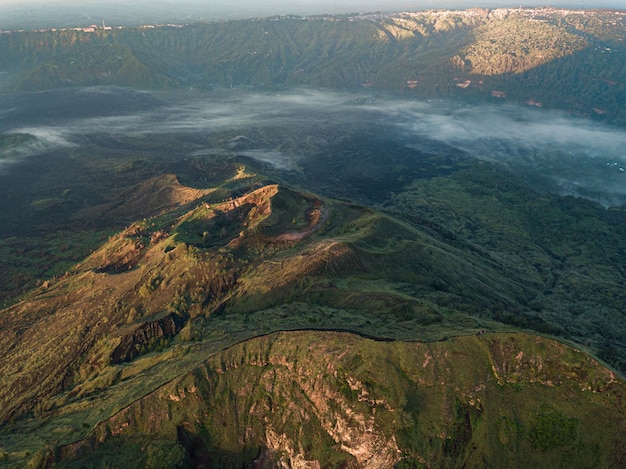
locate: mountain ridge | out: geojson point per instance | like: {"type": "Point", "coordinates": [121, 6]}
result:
{"type": "Point", "coordinates": [354, 414]}
{"type": "Point", "coordinates": [204, 280]}
{"type": "Point", "coordinates": [432, 54]}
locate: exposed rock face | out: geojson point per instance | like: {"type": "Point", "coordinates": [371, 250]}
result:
{"type": "Point", "coordinates": [312, 400]}
{"type": "Point", "coordinates": [145, 334]}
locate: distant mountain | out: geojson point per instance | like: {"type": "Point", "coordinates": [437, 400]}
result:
{"type": "Point", "coordinates": [543, 57]}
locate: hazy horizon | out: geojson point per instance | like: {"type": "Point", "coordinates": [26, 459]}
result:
{"type": "Point", "coordinates": [21, 14]}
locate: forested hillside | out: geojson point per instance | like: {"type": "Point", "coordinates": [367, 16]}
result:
{"type": "Point", "coordinates": [542, 57]}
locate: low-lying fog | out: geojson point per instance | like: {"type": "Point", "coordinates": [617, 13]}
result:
{"type": "Point", "coordinates": [579, 156]}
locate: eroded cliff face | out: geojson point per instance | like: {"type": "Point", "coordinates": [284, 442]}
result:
{"type": "Point", "coordinates": [146, 333]}
{"type": "Point", "coordinates": [320, 399]}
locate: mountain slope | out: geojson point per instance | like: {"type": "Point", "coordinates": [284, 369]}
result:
{"type": "Point", "coordinates": [209, 270]}
{"type": "Point", "coordinates": [308, 399]}
{"type": "Point", "coordinates": [245, 260]}
{"type": "Point", "coordinates": [548, 57]}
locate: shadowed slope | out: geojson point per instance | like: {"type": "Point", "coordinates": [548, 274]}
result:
{"type": "Point", "coordinates": [321, 399]}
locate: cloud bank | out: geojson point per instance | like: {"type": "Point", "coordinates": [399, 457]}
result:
{"type": "Point", "coordinates": [579, 156]}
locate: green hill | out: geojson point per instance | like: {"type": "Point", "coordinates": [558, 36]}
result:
{"type": "Point", "coordinates": [206, 272]}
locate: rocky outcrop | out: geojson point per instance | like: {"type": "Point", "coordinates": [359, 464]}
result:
{"type": "Point", "coordinates": [147, 333]}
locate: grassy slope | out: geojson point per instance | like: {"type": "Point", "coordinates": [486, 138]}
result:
{"type": "Point", "coordinates": [255, 280]}
{"type": "Point", "coordinates": [501, 400]}
{"type": "Point", "coordinates": [227, 271]}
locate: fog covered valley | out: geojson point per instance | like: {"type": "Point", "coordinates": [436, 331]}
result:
{"type": "Point", "coordinates": [296, 133]}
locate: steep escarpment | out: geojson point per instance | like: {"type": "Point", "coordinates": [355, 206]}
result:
{"type": "Point", "coordinates": [544, 57]}
{"type": "Point", "coordinates": [311, 399]}
{"type": "Point", "coordinates": [131, 344]}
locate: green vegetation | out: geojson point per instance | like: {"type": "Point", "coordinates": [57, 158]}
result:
{"type": "Point", "coordinates": [563, 249]}
{"type": "Point", "coordinates": [552, 429]}
{"type": "Point", "coordinates": [545, 56]}
{"type": "Point", "coordinates": [339, 399]}
{"type": "Point", "coordinates": [171, 301]}
{"type": "Point", "coordinates": [156, 300]}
